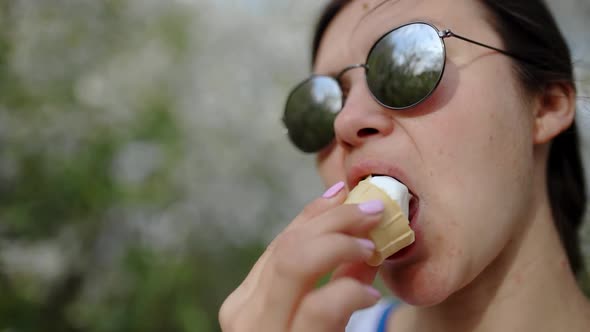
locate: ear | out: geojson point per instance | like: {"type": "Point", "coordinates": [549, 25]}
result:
{"type": "Point", "coordinates": [555, 111]}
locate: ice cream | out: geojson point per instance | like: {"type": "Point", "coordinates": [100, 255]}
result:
{"type": "Point", "coordinates": [394, 232]}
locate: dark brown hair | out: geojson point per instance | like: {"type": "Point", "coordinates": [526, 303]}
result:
{"type": "Point", "coordinates": [528, 29]}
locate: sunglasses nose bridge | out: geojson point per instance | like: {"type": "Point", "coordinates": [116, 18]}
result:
{"type": "Point", "coordinates": [348, 68]}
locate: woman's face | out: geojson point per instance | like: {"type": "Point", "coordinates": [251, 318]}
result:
{"type": "Point", "coordinates": [466, 153]}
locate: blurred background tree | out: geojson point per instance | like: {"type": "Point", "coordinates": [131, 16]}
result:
{"type": "Point", "coordinates": [143, 167]}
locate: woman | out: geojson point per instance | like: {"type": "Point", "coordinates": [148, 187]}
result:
{"type": "Point", "coordinates": [478, 122]}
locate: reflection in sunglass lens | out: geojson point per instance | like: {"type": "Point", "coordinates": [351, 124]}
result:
{"type": "Point", "coordinates": [405, 65]}
{"type": "Point", "coordinates": [310, 112]}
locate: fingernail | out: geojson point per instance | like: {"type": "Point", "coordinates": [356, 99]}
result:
{"type": "Point", "coordinates": [373, 292]}
{"type": "Point", "coordinates": [334, 190]}
{"type": "Point", "coordinates": [372, 207]}
{"type": "Point", "coordinates": [367, 244]}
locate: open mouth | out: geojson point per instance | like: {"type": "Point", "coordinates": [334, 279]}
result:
{"type": "Point", "coordinates": [414, 200]}
{"type": "Point", "coordinates": [413, 208]}
{"type": "Point", "coordinates": [413, 212]}
{"type": "Point", "coordinates": [410, 204]}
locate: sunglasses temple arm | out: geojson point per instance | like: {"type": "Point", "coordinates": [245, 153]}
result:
{"type": "Point", "coordinates": [449, 33]}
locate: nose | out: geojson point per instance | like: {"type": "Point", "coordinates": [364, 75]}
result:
{"type": "Point", "coordinates": [361, 119]}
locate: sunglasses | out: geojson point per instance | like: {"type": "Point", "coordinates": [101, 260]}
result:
{"type": "Point", "coordinates": [403, 68]}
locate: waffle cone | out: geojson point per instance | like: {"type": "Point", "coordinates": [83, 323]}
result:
{"type": "Point", "coordinates": [394, 232]}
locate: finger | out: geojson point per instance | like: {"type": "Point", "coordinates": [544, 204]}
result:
{"type": "Point", "coordinates": [333, 197]}
{"type": "Point", "coordinates": [329, 308]}
{"type": "Point", "coordinates": [305, 260]}
{"type": "Point", "coordinates": [353, 219]}
{"type": "Point", "coordinates": [297, 266]}
{"type": "Point", "coordinates": [358, 270]}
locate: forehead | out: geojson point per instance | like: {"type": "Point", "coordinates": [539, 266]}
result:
{"type": "Point", "coordinates": [359, 25]}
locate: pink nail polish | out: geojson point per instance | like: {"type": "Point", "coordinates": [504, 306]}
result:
{"type": "Point", "coordinates": [373, 292]}
{"type": "Point", "coordinates": [372, 207]}
{"type": "Point", "coordinates": [334, 190]}
{"type": "Point", "coordinates": [367, 244]}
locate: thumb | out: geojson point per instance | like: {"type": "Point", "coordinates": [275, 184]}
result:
{"type": "Point", "coordinates": [358, 270]}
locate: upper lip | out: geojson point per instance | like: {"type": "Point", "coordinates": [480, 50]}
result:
{"type": "Point", "coordinates": [359, 171]}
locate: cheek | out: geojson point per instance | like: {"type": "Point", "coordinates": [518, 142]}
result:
{"type": "Point", "coordinates": [477, 161]}
{"type": "Point", "coordinates": [478, 150]}
{"type": "Point", "coordinates": [488, 167]}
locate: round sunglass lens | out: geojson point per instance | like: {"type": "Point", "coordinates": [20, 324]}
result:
{"type": "Point", "coordinates": [310, 112]}
{"type": "Point", "coordinates": [405, 65]}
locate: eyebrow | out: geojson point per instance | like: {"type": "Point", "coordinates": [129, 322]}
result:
{"type": "Point", "coordinates": [437, 23]}
{"type": "Point", "coordinates": [338, 74]}
{"type": "Point", "coordinates": [370, 12]}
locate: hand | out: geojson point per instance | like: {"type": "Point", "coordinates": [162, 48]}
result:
{"type": "Point", "coordinates": [278, 294]}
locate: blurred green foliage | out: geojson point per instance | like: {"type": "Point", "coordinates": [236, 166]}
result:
{"type": "Point", "coordinates": [59, 182]}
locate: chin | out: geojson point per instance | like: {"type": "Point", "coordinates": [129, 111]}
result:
{"type": "Point", "coordinates": [419, 285]}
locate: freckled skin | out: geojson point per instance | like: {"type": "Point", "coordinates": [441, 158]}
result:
{"type": "Point", "coordinates": [474, 155]}
{"type": "Point", "coordinates": [446, 142]}
{"type": "Point", "coordinates": [467, 149]}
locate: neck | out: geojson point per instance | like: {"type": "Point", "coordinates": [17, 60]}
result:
{"type": "Point", "coordinates": [529, 287]}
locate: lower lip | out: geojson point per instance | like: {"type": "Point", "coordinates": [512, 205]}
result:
{"type": "Point", "coordinates": [407, 251]}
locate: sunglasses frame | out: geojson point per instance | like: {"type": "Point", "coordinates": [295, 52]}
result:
{"type": "Point", "coordinates": [442, 34]}
{"type": "Point", "coordinates": [441, 37]}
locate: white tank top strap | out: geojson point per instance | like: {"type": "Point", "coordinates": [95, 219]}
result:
{"type": "Point", "coordinates": [367, 320]}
